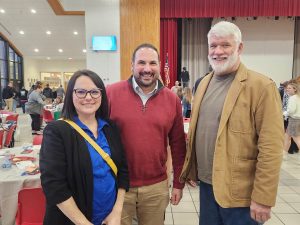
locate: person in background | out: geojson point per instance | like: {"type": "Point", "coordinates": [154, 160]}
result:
{"type": "Point", "coordinates": [187, 102]}
{"type": "Point", "coordinates": [34, 107]}
{"type": "Point", "coordinates": [293, 113]}
{"type": "Point", "coordinates": [235, 137]}
{"type": "Point", "coordinates": [23, 98]}
{"type": "Point", "coordinates": [80, 187]}
{"type": "Point", "coordinates": [47, 92]}
{"type": "Point", "coordinates": [149, 116]}
{"type": "Point", "coordinates": [8, 94]}
{"type": "Point", "coordinates": [284, 99]}
{"type": "Point", "coordinates": [174, 89]}
{"type": "Point", "coordinates": [60, 91]}
{"type": "Point", "coordinates": [180, 93]}
{"type": "Point", "coordinates": [58, 103]}
{"type": "Point", "coordinates": [184, 77]}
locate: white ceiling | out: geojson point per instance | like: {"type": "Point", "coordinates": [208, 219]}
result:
{"type": "Point", "coordinates": [18, 17]}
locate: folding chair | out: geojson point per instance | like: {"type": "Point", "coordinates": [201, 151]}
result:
{"type": "Point", "coordinates": [47, 116]}
{"type": "Point", "coordinates": [37, 139]}
{"type": "Point", "coordinates": [31, 207]}
{"type": "Point", "coordinates": [9, 140]}
{"type": "Point", "coordinates": [1, 138]}
{"type": "Point", "coordinates": [12, 117]}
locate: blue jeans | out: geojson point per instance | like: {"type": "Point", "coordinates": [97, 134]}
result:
{"type": "Point", "coordinates": [211, 213]}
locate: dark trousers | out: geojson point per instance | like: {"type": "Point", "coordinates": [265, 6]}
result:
{"type": "Point", "coordinates": [35, 123]}
{"type": "Point", "coordinates": [211, 213]}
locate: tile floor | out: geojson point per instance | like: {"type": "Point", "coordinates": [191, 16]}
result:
{"type": "Point", "coordinates": [286, 211]}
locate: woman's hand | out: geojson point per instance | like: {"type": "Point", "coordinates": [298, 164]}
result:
{"type": "Point", "coordinates": [114, 218]}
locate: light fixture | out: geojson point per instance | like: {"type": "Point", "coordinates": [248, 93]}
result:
{"type": "Point", "coordinates": [33, 11]}
{"type": "Point", "coordinates": [84, 50]}
{"type": "Point", "coordinates": [2, 10]}
{"type": "Point", "coordinates": [48, 32]}
{"type": "Point", "coordinates": [48, 58]}
{"type": "Point", "coordinates": [36, 50]}
{"type": "Point", "coordinates": [21, 32]}
{"type": "Point", "coordinates": [75, 33]}
{"type": "Point", "coordinates": [70, 58]}
{"type": "Point", "coordinates": [60, 50]}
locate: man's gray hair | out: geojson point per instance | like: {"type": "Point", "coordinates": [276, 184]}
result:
{"type": "Point", "coordinates": [225, 29]}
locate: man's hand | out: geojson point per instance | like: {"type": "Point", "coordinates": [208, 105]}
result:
{"type": "Point", "coordinates": [192, 183]}
{"type": "Point", "coordinates": [176, 196]}
{"type": "Point", "coordinates": [260, 213]}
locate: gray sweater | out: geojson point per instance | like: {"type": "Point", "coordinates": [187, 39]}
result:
{"type": "Point", "coordinates": [35, 103]}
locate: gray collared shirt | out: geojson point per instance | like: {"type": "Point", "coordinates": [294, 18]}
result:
{"type": "Point", "coordinates": [144, 97]}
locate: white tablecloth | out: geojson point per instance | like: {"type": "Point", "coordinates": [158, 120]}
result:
{"type": "Point", "coordinates": [11, 182]}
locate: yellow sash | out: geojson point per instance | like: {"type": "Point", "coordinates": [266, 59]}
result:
{"type": "Point", "coordinates": [103, 154]}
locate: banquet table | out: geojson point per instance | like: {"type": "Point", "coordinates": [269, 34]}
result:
{"type": "Point", "coordinates": [12, 181]}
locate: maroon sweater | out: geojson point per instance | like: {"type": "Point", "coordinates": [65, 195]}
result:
{"type": "Point", "coordinates": [145, 131]}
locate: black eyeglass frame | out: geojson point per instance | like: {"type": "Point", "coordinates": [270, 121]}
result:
{"type": "Point", "coordinates": [90, 92]}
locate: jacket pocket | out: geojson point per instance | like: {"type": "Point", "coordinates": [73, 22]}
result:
{"type": "Point", "coordinates": [240, 119]}
{"type": "Point", "coordinates": [242, 178]}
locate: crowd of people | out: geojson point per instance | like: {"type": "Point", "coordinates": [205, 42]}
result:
{"type": "Point", "coordinates": [105, 161]}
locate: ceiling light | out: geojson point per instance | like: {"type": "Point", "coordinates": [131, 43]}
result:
{"type": "Point", "coordinates": [48, 32]}
{"type": "Point", "coordinates": [2, 10]}
{"type": "Point", "coordinates": [36, 50]}
{"type": "Point", "coordinates": [48, 58]}
{"type": "Point", "coordinates": [21, 32]}
{"type": "Point", "coordinates": [84, 50]}
{"type": "Point", "coordinates": [33, 11]}
{"type": "Point", "coordinates": [60, 50]}
{"type": "Point", "coordinates": [69, 58]}
{"type": "Point", "coordinates": [75, 33]}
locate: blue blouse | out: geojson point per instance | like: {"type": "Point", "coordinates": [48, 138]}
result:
{"type": "Point", "coordinates": [104, 194]}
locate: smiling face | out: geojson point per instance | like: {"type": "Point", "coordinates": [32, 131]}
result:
{"type": "Point", "coordinates": [87, 106]}
{"type": "Point", "coordinates": [224, 54]}
{"type": "Point", "coordinates": [146, 68]}
{"type": "Point", "coordinates": [291, 90]}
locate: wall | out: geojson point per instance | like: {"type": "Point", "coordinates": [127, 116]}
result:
{"type": "Point", "coordinates": [140, 23]}
{"type": "Point", "coordinates": [33, 67]}
{"type": "Point", "coordinates": [268, 46]}
{"type": "Point", "coordinates": [103, 18]}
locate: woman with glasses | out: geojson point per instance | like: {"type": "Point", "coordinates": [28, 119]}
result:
{"type": "Point", "coordinates": [79, 185]}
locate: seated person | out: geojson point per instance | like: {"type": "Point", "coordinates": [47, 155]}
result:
{"type": "Point", "coordinates": [58, 104]}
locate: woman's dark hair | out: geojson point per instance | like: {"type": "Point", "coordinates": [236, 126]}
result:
{"type": "Point", "coordinates": [69, 111]}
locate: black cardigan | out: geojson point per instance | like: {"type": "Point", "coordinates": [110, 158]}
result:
{"type": "Point", "coordinates": [66, 169]}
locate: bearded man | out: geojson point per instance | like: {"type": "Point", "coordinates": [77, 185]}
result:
{"type": "Point", "coordinates": [149, 117]}
{"type": "Point", "coordinates": [235, 138]}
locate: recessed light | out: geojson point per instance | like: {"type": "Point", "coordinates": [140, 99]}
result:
{"type": "Point", "coordinates": [70, 58]}
{"type": "Point", "coordinates": [21, 32]}
{"type": "Point", "coordinates": [33, 11]}
{"type": "Point", "coordinates": [84, 50]}
{"type": "Point", "coordinates": [75, 33]}
{"type": "Point", "coordinates": [60, 50]}
{"type": "Point", "coordinates": [2, 10]}
{"type": "Point", "coordinates": [48, 58]}
{"type": "Point", "coordinates": [36, 50]}
{"type": "Point", "coordinates": [48, 32]}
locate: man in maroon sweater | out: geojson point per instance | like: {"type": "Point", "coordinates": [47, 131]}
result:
{"type": "Point", "coordinates": [149, 118]}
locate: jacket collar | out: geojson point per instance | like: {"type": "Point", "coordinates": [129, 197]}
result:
{"type": "Point", "coordinates": [231, 97]}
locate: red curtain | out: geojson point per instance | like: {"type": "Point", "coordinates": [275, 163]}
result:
{"type": "Point", "coordinates": [168, 44]}
{"type": "Point", "coordinates": [228, 8]}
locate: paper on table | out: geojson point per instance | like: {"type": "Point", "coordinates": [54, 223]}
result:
{"type": "Point", "coordinates": [23, 164]}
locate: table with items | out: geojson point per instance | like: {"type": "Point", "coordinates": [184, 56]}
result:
{"type": "Point", "coordinates": [18, 169]}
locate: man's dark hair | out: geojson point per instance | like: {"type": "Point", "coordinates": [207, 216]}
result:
{"type": "Point", "coordinates": [69, 111]}
{"type": "Point", "coordinates": [145, 45]}
{"type": "Point", "coordinates": [184, 68]}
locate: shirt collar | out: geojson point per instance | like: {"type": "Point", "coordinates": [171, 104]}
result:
{"type": "Point", "coordinates": [138, 90]}
{"type": "Point", "coordinates": [101, 123]}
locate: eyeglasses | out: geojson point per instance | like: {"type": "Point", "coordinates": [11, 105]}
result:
{"type": "Point", "coordinates": [81, 93]}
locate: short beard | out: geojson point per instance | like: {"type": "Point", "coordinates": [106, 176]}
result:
{"type": "Point", "coordinates": [225, 67]}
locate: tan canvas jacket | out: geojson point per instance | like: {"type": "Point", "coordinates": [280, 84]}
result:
{"type": "Point", "coordinates": [249, 143]}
